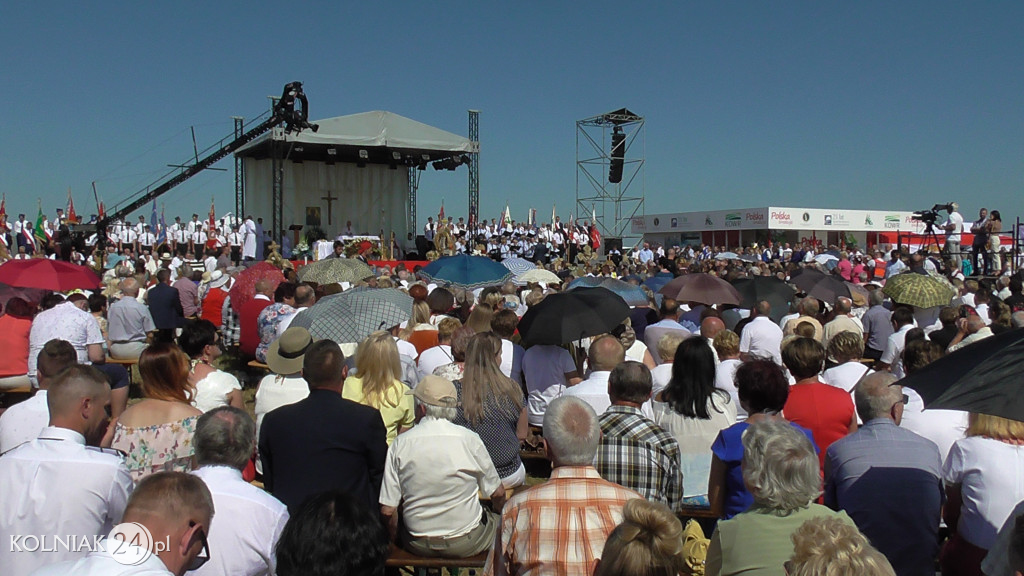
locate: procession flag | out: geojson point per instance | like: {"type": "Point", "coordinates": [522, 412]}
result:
{"type": "Point", "coordinates": [506, 218]}
{"type": "Point", "coordinates": [72, 216]}
{"type": "Point", "coordinates": [162, 235]}
{"type": "Point", "coordinates": [39, 232]}
{"type": "Point", "coordinates": [440, 213]}
{"type": "Point", "coordinates": [152, 221]}
{"type": "Point", "coordinates": [3, 206]}
{"type": "Point", "coordinates": [552, 215]}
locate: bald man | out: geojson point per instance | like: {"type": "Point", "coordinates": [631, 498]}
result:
{"type": "Point", "coordinates": [969, 331]}
{"type": "Point", "coordinates": [844, 321]}
{"type": "Point", "coordinates": [130, 324]}
{"type": "Point", "coordinates": [58, 485]}
{"type": "Point", "coordinates": [606, 352]}
{"type": "Point", "coordinates": [177, 509]}
{"type": "Point", "coordinates": [709, 328]}
{"type": "Point", "coordinates": [249, 338]}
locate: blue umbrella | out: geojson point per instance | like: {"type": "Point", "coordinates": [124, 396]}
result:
{"type": "Point", "coordinates": [469, 272]}
{"type": "Point", "coordinates": [633, 295]}
{"type": "Point", "coordinates": [658, 281]}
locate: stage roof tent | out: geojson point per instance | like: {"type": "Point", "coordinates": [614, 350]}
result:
{"type": "Point", "coordinates": [378, 132]}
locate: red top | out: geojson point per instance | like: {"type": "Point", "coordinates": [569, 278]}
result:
{"type": "Point", "coordinates": [824, 410]}
{"type": "Point", "coordinates": [14, 342]}
{"type": "Point", "coordinates": [213, 305]}
{"type": "Point", "coordinates": [249, 334]}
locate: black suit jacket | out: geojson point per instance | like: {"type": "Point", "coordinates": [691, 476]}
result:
{"type": "Point", "coordinates": [165, 306]}
{"type": "Point", "coordinates": [321, 443]}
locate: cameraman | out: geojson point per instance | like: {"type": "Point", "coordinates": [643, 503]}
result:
{"type": "Point", "coordinates": [954, 226]}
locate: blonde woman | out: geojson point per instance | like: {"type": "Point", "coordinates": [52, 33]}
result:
{"type": "Point", "coordinates": [377, 383]}
{"type": "Point", "coordinates": [983, 484]}
{"type": "Point", "coordinates": [648, 542]}
{"type": "Point", "coordinates": [492, 405]}
{"type": "Point", "coordinates": [825, 545]}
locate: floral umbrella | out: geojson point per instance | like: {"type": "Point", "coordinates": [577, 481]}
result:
{"type": "Point", "coordinates": [245, 285]}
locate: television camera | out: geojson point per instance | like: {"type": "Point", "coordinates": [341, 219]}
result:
{"type": "Point", "coordinates": [929, 217]}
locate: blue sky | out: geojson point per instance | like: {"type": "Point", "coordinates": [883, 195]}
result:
{"type": "Point", "coordinates": [882, 105]}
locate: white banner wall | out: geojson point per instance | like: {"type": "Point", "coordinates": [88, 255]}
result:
{"type": "Point", "coordinates": [373, 198]}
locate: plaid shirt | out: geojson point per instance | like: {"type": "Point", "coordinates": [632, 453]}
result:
{"type": "Point", "coordinates": [558, 527]}
{"type": "Point", "coordinates": [231, 328]}
{"type": "Point", "coordinates": [638, 454]}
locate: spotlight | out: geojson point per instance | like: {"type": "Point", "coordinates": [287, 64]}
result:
{"type": "Point", "coordinates": [332, 151]}
{"type": "Point", "coordinates": [363, 156]}
{"type": "Point", "coordinates": [465, 159]}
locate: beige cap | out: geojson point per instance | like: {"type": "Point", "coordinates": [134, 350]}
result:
{"type": "Point", "coordinates": [435, 391]}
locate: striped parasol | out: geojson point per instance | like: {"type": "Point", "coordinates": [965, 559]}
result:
{"type": "Point", "coordinates": [518, 266]}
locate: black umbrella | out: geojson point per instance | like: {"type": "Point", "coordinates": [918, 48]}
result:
{"type": "Point", "coordinates": [819, 285]}
{"type": "Point", "coordinates": [757, 288]}
{"type": "Point", "coordinates": [983, 377]}
{"type": "Point", "coordinates": [565, 317]}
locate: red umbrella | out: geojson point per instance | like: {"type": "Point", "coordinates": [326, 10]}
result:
{"type": "Point", "coordinates": [47, 274]}
{"type": "Point", "coordinates": [245, 285]}
{"type": "Point", "coordinates": [702, 288]}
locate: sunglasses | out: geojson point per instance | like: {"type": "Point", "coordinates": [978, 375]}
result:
{"type": "Point", "coordinates": [204, 554]}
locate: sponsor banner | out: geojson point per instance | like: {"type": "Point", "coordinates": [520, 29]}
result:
{"type": "Point", "coordinates": [780, 218]}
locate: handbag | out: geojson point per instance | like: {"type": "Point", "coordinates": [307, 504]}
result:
{"type": "Point", "coordinates": [695, 548]}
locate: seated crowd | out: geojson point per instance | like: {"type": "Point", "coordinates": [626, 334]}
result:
{"type": "Point", "coordinates": [789, 429]}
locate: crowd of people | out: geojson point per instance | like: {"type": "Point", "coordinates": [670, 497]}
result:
{"type": "Point", "coordinates": [790, 427]}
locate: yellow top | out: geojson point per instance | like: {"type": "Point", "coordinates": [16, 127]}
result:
{"type": "Point", "coordinates": [395, 416]}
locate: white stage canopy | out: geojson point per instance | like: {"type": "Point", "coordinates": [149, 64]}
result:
{"type": "Point", "coordinates": [346, 171]}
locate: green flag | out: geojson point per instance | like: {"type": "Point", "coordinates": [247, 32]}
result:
{"type": "Point", "coordinates": [38, 231]}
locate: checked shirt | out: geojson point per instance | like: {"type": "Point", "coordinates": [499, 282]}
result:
{"type": "Point", "coordinates": [638, 454]}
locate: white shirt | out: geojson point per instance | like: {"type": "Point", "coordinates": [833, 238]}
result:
{"type": "Point", "coordinates": [102, 563]}
{"type": "Point", "coordinates": [846, 376]}
{"type": "Point", "coordinates": [432, 358]}
{"type": "Point", "coordinates": [725, 379]}
{"type": "Point", "coordinates": [957, 221]}
{"type": "Point", "coordinates": [23, 422]}
{"type": "Point", "coordinates": [506, 357]}
{"type": "Point", "coordinates": [212, 391]}
{"type": "Point", "coordinates": [544, 368]}
{"type": "Point", "coordinates": [763, 338]}
{"type": "Point", "coordinates": [989, 473]}
{"type": "Point", "coordinates": [438, 469]}
{"type": "Point", "coordinates": [893, 354]}
{"type": "Point", "coordinates": [57, 487]}
{"type": "Point", "coordinates": [406, 348]}
{"type": "Point", "coordinates": [249, 239]}
{"type": "Point", "coordinates": [247, 525]}
{"type": "Point", "coordinates": [594, 391]}
{"type": "Point", "coordinates": [275, 391]}
{"type": "Point", "coordinates": [660, 376]}
{"type": "Point", "coordinates": [943, 427]}
{"type": "Point", "coordinates": [65, 321]}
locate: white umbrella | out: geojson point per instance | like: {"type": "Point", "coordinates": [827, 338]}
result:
{"type": "Point", "coordinates": [538, 275]}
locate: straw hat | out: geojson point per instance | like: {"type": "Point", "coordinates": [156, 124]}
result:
{"type": "Point", "coordinates": [286, 354]}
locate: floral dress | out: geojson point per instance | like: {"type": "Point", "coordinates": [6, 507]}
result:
{"type": "Point", "coordinates": [160, 448]}
{"type": "Point", "coordinates": [267, 322]}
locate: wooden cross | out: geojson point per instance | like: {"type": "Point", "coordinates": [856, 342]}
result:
{"type": "Point", "coordinates": [330, 202]}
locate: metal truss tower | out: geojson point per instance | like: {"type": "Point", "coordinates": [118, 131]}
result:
{"type": "Point", "coordinates": [414, 186]}
{"type": "Point", "coordinates": [615, 204]}
{"type": "Point", "coordinates": [474, 167]}
{"type": "Point", "coordinates": [239, 174]}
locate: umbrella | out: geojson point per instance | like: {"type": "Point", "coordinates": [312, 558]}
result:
{"type": "Point", "coordinates": [47, 274]}
{"type": "Point", "coordinates": [826, 257]}
{"type": "Point", "coordinates": [727, 256]}
{"type": "Point", "coordinates": [858, 293]}
{"type": "Point", "coordinates": [518, 266]}
{"type": "Point", "coordinates": [538, 275]}
{"type": "Point", "coordinates": [702, 288]}
{"type": "Point", "coordinates": [632, 295]}
{"type": "Point", "coordinates": [353, 315]}
{"type": "Point", "coordinates": [569, 316]}
{"type": "Point", "coordinates": [919, 290]}
{"type": "Point", "coordinates": [469, 272]}
{"type": "Point", "coordinates": [335, 270]}
{"type": "Point", "coordinates": [31, 295]}
{"type": "Point", "coordinates": [658, 281]}
{"type": "Point", "coordinates": [983, 377]}
{"type": "Point", "coordinates": [749, 258]}
{"type": "Point", "coordinates": [756, 288]}
{"type": "Point", "coordinates": [245, 285]}
{"type": "Point", "coordinates": [819, 285]}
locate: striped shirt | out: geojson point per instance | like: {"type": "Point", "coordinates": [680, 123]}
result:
{"type": "Point", "coordinates": [640, 455]}
{"type": "Point", "coordinates": [559, 527]}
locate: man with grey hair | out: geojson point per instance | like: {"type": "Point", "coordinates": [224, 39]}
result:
{"type": "Point", "coordinates": [635, 452]}
{"type": "Point", "coordinates": [888, 479]}
{"type": "Point", "coordinates": [249, 520]}
{"type": "Point", "coordinates": [129, 323]}
{"type": "Point", "coordinates": [534, 536]}
{"type": "Point", "coordinates": [877, 325]}
{"type": "Point", "coordinates": [435, 472]}
{"type": "Point", "coordinates": [781, 470]}
{"type": "Point", "coordinates": [969, 331]}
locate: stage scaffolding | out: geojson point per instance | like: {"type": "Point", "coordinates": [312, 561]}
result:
{"type": "Point", "coordinates": [614, 205]}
